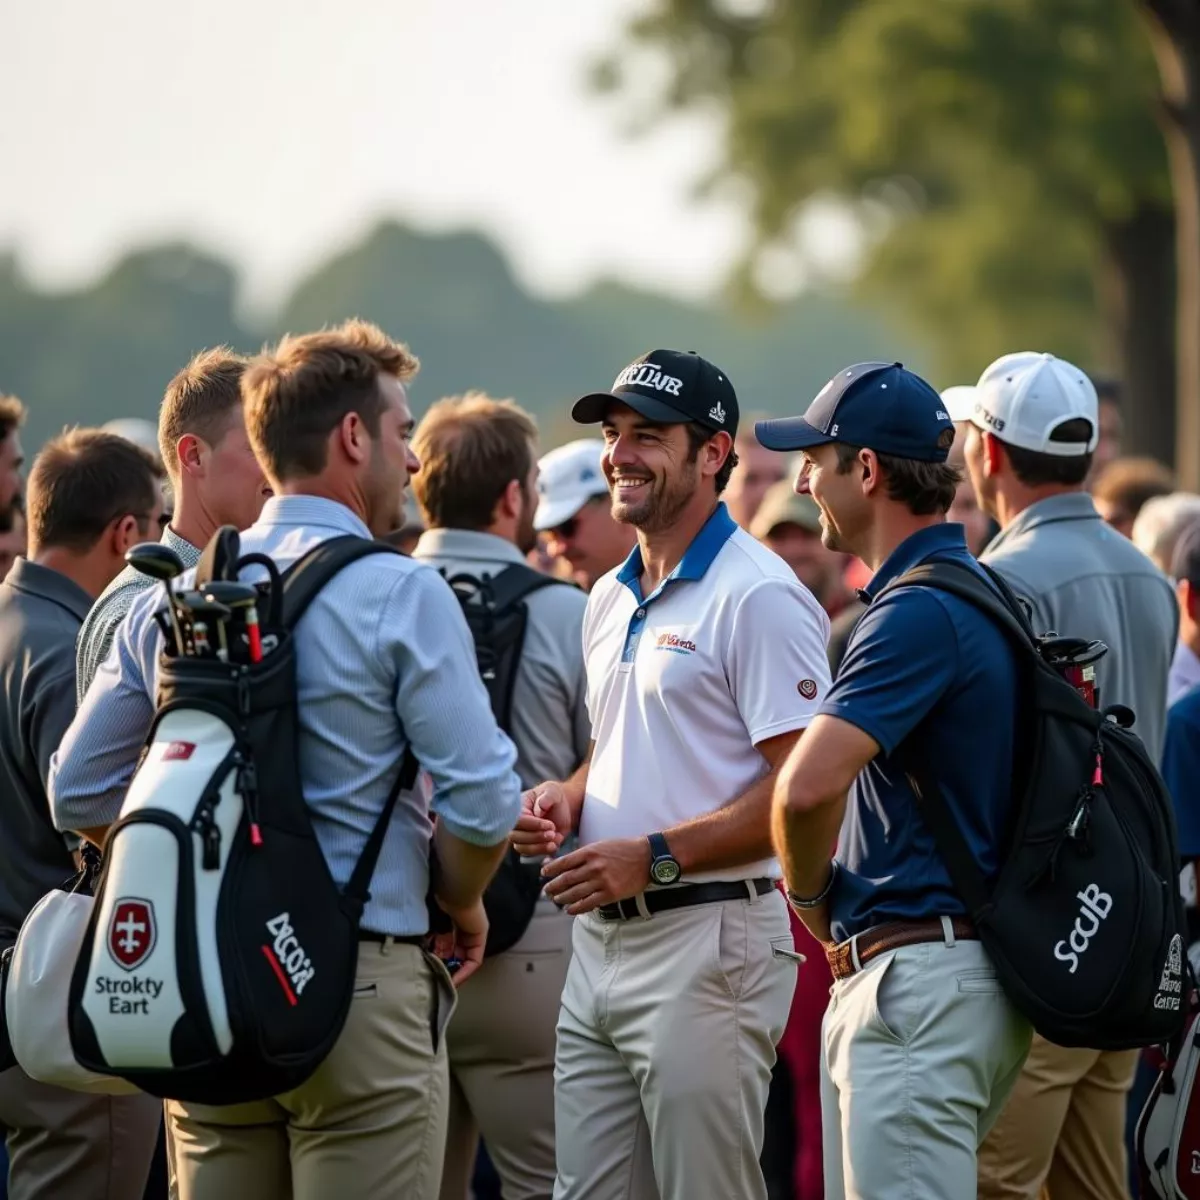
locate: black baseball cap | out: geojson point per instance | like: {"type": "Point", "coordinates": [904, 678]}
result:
{"type": "Point", "coordinates": [880, 406]}
{"type": "Point", "coordinates": [670, 387]}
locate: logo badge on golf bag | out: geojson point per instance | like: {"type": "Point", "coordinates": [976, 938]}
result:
{"type": "Point", "coordinates": [131, 933]}
{"type": "Point", "coordinates": [178, 751]}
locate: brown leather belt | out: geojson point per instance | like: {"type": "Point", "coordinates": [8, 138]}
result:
{"type": "Point", "coordinates": [892, 936]}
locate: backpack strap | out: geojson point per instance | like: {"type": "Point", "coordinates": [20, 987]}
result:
{"type": "Point", "coordinates": [518, 581]}
{"type": "Point", "coordinates": [302, 581]}
{"type": "Point", "coordinates": [1004, 608]}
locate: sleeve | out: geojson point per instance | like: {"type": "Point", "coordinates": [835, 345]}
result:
{"type": "Point", "coordinates": [1181, 772]}
{"type": "Point", "coordinates": [581, 722]}
{"type": "Point", "coordinates": [90, 773]}
{"type": "Point", "coordinates": [901, 660]}
{"type": "Point", "coordinates": [95, 644]}
{"type": "Point", "coordinates": [777, 660]}
{"type": "Point", "coordinates": [51, 709]}
{"type": "Point", "coordinates": [445, 712]}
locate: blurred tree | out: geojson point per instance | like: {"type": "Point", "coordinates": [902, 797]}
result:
{"type": "Point", "coordinates": [1174, 27]}
{"type": "Point", "coordinates": [1001, 157]}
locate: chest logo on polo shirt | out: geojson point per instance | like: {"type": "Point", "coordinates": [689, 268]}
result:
{"type": "Point", "coordinates": [807, 688]}
{"type": "Point", "coordinates": [675, 644]}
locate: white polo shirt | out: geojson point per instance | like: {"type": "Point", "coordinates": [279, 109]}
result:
{"type": "Point", "coordinates": [728, 651]}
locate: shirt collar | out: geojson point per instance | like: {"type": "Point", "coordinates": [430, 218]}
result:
{"type": "Point", "coordinates": [189, 555]}
{"type": "Point", "coordinates": [916, 548]}
{"type": "Point", "coordinates": [696, 560]}
{"type": "Point", "coordinates": [466, 543]}
{"type": "Point", "coordinates": [35, 580]}
{"type": "Point", "coordinates": [1066, 506]}
{"type": "Point", "coordinates": [302, 511]}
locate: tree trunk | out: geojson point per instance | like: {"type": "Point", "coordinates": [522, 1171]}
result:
{"type": "Point", "coordinates": [1174, 27]}
{"type": "Point", "coordinates": [1138, 297]}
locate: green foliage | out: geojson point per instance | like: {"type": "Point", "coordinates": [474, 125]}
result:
{"type": "Point", "coordinates": [109, 349]}
{"type": "Point", "coordinates": [990, 145]}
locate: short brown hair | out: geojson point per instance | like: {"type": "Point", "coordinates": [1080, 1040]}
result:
{"type": "Point", "coordinates": [84, 480]}
{"type": "Point", "coordinates": [297, 394]}
{"type": "Point", "coordinates": [1127, 483]}
{"type": "Point", "coordinates": [471, 448]}
{"type": "Point", "coordinates": [923, 487]}
{"type": "Point", "coordinates": [200, 400]}
{"type": "Point", "coordinates": [697, 435]}
{"type": "Point", "coordinates": [12, 415]}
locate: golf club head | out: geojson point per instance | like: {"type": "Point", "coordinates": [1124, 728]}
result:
{"type": "Point", "coordinates": [155, 559]}
{"type": "Point", "coordinates": [233, 595]}
{"type": "Point", "coordinates": [199, 607]}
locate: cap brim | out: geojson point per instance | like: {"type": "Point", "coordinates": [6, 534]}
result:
{"type": "Point", "coordinates": [552, 513]}
{"type": "Point", "coordinates": [789, 433]}
{"type": "Point", "coordinates": [590, 409]}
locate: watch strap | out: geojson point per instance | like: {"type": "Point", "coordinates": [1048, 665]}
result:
{"type": "Point", "coordinates": [658, 846]}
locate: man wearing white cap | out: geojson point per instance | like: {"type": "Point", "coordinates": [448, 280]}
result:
{"type": "Point", "coordinates": [1034, 425]}
{"type": "Point", "coordinates": [574, 512]}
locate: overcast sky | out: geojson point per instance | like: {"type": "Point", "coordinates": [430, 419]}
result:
{"type": "Point", "coordinates": [274, 131]}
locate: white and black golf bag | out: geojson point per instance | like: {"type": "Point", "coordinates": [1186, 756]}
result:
{"type": "Point", "coordinates": [219, 963]}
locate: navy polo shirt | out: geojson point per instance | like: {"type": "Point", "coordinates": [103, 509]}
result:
{"type": "Point", "coordinates": [927, 670]}
{"type": "Point", "coordinates": [1181, 769]}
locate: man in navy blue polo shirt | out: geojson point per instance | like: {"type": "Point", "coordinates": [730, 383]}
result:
{"type": "Point", "coordinates": [921, 1046]}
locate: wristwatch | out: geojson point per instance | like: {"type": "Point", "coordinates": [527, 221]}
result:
{"type": "Point", "coordinates": [664, 869]}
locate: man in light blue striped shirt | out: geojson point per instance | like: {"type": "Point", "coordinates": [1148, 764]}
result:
{"type": "Point", "coordinates": [384, 661]}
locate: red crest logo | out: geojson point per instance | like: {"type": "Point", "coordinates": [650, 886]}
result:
{"type": "Point", "coordinates": [131, 932]}
{"type": "Point", "coordinates": [178, 751]}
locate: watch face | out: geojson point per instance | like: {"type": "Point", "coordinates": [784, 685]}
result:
{"type": "Point", "coordinates": [665, 870]}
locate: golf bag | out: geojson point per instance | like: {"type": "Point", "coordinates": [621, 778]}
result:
{"type": "Point", "coordinates": [218, 965]}
{"type": "Point", "coordinates": [1168, 1131]}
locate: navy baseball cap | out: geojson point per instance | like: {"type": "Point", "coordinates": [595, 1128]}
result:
{"type": "Point", "coordinates": [671, 387]}
{"type": "Point", "coordinates": [879, 406]}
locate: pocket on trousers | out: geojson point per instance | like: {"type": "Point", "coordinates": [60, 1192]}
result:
{"type": "Point", "coordinates": [783, 950]}
{"type": "Point", "coordinates": [891, 1001]}
{"type": "Point", "coordinates": [983, 983]}
{"type": "Point", "coordinates": [366, 991]}
{"type": "Point", "coordinates": [732, 944]}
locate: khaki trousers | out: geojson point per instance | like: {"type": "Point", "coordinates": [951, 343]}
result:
{"type": "Point", "coordinates": [666, 1042]}
{"type": "Point", "coordinates": [922, 1049]}
{"type": "Point", "coordinates": [1064, 1128]}
{"type": "Point", "coordinates": [370, 1123]}
{"type": "Point", "coordinates": [74, 1146]}
{"type": "Point", "coordinates": [501, 1046]}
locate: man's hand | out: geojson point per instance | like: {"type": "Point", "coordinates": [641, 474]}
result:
{"type": "Point", "coordinates": [544, 823]}
{"type": "Point", "coordinates": [601, 873]}
{"type": "Point", "coordinates": [465, 941]}
{"type": "Point", "coordinates": [816, 921]}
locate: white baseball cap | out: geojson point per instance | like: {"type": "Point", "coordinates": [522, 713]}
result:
{"type": "Point", "coordinates": [959, 402]}
{"type": "Point", "coordinates": [568, 478]}
{"type": "Point", "coordinates": [1023, 398]}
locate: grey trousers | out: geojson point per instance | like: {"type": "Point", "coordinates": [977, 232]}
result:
{"type": "Point", "coordinates": [666, 1042]}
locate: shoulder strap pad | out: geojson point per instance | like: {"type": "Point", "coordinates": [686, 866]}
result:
{"type": "Point", "coordinates": [305, 578]}
{"type": "Point", "coordinates": [998, 601]}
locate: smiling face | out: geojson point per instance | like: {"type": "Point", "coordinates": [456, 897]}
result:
{"type": "Point", "coordinates": [845, 510]}
{"type": "Point", "coordinates": [652, 474]}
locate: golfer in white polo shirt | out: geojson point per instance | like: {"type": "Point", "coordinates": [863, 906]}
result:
{"type": "Point", "coordinates": [705, 661]}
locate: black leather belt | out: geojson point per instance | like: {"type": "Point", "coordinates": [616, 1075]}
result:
{"type": "Point", "coordinates": [402, 939]}
{"type": "Point", "coordinates": [684, 897]}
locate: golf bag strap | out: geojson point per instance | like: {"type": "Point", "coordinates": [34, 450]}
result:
{"type": "Point", "coordinates": [301, 584]}
{"type": "Point", "coordinates": [218, 560]}
{"type": "Point", "coordinates": [358, 890]}
{"type": "Point", "coordinates": [305, 578]}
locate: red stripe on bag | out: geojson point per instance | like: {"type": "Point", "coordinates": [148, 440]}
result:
{"type": "Point", "coordinates": [283, 980]}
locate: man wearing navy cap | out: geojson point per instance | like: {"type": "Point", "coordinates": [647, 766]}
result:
{"type": "Point", "coordinates": [921, 1045]}
{"type": "Point", "coordinates": [705, 661]}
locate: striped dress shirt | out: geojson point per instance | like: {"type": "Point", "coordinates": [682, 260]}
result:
{"type": "Point", "coordinates": [100, 627]}
{"type": "Point", "coordinates": [384, 660]}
